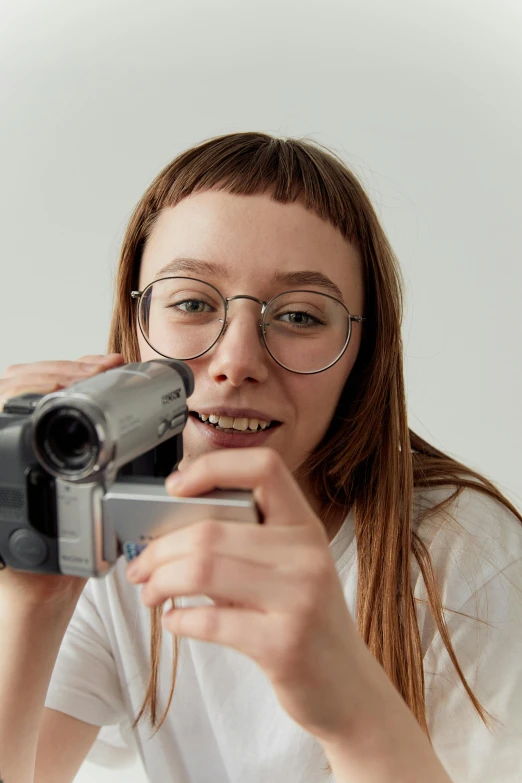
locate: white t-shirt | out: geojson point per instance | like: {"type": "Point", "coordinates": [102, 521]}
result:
{"type": "Point", "coordinates": [225, 724]}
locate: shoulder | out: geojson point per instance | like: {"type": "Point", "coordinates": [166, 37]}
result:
{"type": "Point", "coordinates": [465, 516]}
{"type": "Point", "coordinates": [471, 540]}
{"type": "Point", "coordinates": [476, 549]}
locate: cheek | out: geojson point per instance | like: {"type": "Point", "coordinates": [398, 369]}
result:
{"type": "Point", "coordinates": [322, 406]}
{"type": "Point", "coordinates": [315, 405]}
{"type": "Point", "coordinates": [146, 352]}
{"type": "Point", "coordinates": [317, 399]}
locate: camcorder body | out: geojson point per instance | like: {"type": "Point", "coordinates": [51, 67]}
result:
{"type": "Point", "coordinates": [82, 471]}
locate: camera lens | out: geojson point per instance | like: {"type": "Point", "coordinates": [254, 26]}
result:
{"type": "Point", "coordinates": [67, 441]}
{"type": "Point", "coordinates": [70, 437]}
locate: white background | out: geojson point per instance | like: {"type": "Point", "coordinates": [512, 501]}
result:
{"type": "Point", "coordinates": [422, 99]}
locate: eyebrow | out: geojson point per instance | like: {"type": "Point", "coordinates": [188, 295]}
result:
{"type": "Point", "coordinates": [208, 268]}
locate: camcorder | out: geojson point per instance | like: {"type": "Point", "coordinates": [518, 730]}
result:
{"type": "Point", "coordinates": [82, 471]}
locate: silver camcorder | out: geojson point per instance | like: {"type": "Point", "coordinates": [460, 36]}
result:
{"type": "Point", "coordinates": [82, 470]}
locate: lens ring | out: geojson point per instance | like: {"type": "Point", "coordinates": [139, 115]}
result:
{"type": "Point", "coordinates": [142, 328]}
{"type": "Point", "coordinates": [264, 326]}
{"type": "Point", "coordinates": [67, 441]}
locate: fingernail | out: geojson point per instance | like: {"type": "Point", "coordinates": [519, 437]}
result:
{"type": "Point", "coordinates": [110, 357]}
{"type": "Point", "coordinates": [174, 481]}
{"type": "Point", "coordinates": [133, 570]}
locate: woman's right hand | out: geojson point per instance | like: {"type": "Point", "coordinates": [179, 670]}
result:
{"type": "Point", "coordinates": [23, 587]}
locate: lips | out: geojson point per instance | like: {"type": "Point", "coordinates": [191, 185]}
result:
{"type": "Point", "coordinates": [237, 413]}
{"type": "Point", "coordinates": [245, 420]}
{"type": "Point", "coordinates": [227, 438]}
{"type": "Point", "coordinates": [236, 425]}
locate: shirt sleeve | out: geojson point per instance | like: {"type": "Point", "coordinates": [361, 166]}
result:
{"type": "Point", "coordinates": [486, 569]}
{"type": "Point", "coordinates": [85, 685]}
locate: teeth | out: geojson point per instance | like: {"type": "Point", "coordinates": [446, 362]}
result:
{"type": "Point", "coordinates": [240, 424]}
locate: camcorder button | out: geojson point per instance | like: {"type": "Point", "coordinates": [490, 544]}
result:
{"type": "Point", "coordinates": [28, 548]}
{"type": "Point", "coordinates": [23, 405]}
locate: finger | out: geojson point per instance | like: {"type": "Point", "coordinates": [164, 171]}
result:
{"type": "Point", "coordinates": [274, 547]}
{"type": "Point", "coordinates": [57, 368]}
{"type": "Point", "coordinates": [41, 382]}
{"type": "Point", "coordinates": [105, 359]}
{"type": "Point", "coordinates": [40, 379]}
{"type": "Point", "coordinates": [34, 388]}
{"type": "Point", "coordinates": [35, 384]}
{"type": "Point", "coordinates": [244, 630]}
{"type": "Point", "coordinates": [261, 470]}
{"type": "Point", "coordinates": [224, 578]}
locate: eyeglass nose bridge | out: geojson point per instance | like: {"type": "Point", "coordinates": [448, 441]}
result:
{"type": "Point", "coordinates": [246, 296]}
{"type": "Point", "coordinates": [262, 326]}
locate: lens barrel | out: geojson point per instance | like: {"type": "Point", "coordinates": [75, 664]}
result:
{"type": "Point", "coordinates": [90, 430]}
{"type": "Point", "coordinates": [67, 440]}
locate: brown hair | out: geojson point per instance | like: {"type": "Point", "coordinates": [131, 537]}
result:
{"type": "Point", "coordinates": [368, 459]}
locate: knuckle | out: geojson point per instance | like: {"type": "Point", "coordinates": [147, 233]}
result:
{"type": "Point", "coordinates": [201, 572]}
{"type": "Point", "coordinates": [207, 534]}
{"type": "Point", "coordinates": [208, 622]}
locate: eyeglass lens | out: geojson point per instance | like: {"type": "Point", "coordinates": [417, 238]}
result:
{"type": "Point", "coordinates": [304, 331]}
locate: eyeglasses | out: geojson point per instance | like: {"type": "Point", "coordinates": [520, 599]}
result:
{"type": "Point", "coordinates": [303, 331]}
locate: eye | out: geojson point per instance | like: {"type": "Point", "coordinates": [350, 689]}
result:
{"type": "Point", "coordinates": [300, 318]}
{"type": "Point", "coordinates": [192, 306]}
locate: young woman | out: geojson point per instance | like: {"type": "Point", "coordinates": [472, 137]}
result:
{"type": "Point", "coordinates": [370, 630]}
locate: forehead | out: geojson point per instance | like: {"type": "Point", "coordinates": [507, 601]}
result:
{"type": "Point", "coordinates": [251, 239]}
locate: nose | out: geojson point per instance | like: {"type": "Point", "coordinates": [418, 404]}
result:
{"type": "Point", "coordinates": [239, 354]}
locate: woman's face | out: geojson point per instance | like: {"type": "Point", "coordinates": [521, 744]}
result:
{"type": "Point", "coordinates": [249, 243]}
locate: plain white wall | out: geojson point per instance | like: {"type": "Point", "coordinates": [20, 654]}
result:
{"type": "Point", "coordinates": [422, 99]}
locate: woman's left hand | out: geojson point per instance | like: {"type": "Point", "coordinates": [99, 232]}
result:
{"type": "Point", "coordinates": [277, 594]}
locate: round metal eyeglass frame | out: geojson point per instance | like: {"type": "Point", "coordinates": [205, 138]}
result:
{"type": "Point", "coordinates": [138, 295]}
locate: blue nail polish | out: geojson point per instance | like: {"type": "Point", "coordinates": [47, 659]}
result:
{"type": "Point", "coordinates": [132, 550]}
